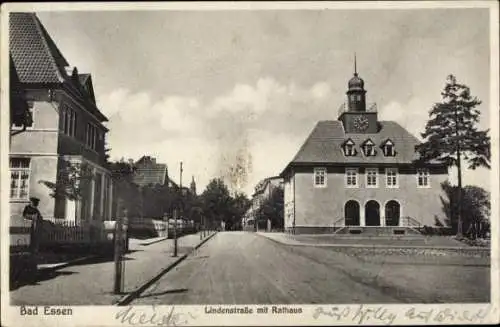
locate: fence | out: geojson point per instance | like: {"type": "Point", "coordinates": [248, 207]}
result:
{"type": "Point", "coordinates": [150, 227]}
{"type": "Point", "coordinates": [57, 232]}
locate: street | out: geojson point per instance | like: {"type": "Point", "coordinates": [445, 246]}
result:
{"type": "Point", "coordinates": [245, 268]}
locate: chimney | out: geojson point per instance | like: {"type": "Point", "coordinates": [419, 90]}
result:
{"type": "Point", "coordinates": [69, 70]}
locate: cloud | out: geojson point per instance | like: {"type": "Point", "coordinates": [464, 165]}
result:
{"type": "Point", "coordinates": [413, 116]}
{"type": "Point", "coordinates": [245, 134]}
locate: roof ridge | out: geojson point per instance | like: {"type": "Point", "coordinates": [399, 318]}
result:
{"type": "Point", "coordinates": [45, 37]}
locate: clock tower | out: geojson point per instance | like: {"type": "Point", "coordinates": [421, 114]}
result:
{"type": "Point", "coordinates": [354, 115]}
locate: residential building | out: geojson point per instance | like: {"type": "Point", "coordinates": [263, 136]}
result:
{"type": "Point", "coordinates": [358, 171]}
{"type": "Point", "coordinates": [149, 172]}
{"type": "Point", "coordinates": [263, 191]}
{"type": "Point", "coordinates": [62, 147]}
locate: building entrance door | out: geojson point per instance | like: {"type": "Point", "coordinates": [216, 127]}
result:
{"type": "Point", "coordinates": [372, 213]}
{"type": "Point", "coordinates": [392, 213]}
{"type": "Point", "coordinates": [351, 213]}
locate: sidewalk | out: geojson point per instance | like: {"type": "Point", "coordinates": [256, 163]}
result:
{"type": "Point", "coordinates": [331, 241]}
{"type": "Point", "coordinates": [91, 282]}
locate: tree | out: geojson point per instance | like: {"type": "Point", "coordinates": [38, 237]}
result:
{"type": "Point", "coordinates": [124, 188]}
{"type": "Point", "coordinates": [216, 201]}
{"type": "Point", "coordinates": [71, 179]}
{"type": "Point", "coordinates": [273, 207]}
{"type": "Point", "coordinates": [476, 208]}
{"type": "Point", "coordinates": [452, 134]}
{"type": "Point", "coordinates": [239, 205]}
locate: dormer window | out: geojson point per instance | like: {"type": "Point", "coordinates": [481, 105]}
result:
{"type": "Point", "coordinates": [388, 148]}
{"type": "Point", "coordinates": [349, 150]}
{"type": "Point", "coordinates": [369, 148]}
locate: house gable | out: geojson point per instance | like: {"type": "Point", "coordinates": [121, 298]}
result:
{"type": "Point", "coordinates": [40, 64]}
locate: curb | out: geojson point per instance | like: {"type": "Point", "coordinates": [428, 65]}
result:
{"type": "Point", "coordinates": [56, 266]}
{"type": "Point", "coordinates": [155, 241]}
{"type": "Point", "coordinates": [134, 294]}
{"type": "Point", "coordinates": [376, 246]}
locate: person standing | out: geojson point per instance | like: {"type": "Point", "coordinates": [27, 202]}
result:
{"type": "Point", "coordinates": [32, 213]}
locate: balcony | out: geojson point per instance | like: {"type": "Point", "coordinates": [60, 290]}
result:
{"type": "Point", "coordinates": [370, 107]}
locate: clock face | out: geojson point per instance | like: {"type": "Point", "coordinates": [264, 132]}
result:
{"type": "Point", "coordinates": [360, 123]}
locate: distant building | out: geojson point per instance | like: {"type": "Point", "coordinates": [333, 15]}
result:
{"type": "Point", "coordinates": [358, 172]}
{"type": "Point", "coordinates": [66, 129]}
{"type": "Point", "coordinates": [192, 187]}
{"type": "Point", "coordinates": [263, 191]}
{"type": "Point", "coordinates": [149, 172]}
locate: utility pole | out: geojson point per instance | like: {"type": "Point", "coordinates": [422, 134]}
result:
{"type": "Point", "coordinates": [175, 233]}
{"type": "Point", "coordinates": [176, 213]}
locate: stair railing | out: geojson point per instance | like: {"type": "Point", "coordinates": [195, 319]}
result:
{"type": "Point", "coordinates": [412, 223]}
{"type": "Point", "coordinates": [340, 222]}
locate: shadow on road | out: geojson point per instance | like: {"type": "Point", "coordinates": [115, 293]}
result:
{"type": "Point", "coordinates": [174, 291]}
{"type": "Point", "coordinates": [40, 276]}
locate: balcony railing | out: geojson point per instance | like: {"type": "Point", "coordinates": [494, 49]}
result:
{"type": "Point", "coordinates": [370, 107]}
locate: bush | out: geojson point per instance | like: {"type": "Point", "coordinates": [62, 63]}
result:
{"type": "Point", "coordinates": [437, 231]}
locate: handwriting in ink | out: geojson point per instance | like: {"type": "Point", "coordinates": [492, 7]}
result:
{"type": "Point", "coordinates": [136, 316]}
{"type": "Point", "coordinates": [448, 315]}
{"type": "Point", "coordinates": [360, 315]}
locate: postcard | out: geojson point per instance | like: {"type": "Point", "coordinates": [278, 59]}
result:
{"type": "Point", "coordinates": [250, 163]}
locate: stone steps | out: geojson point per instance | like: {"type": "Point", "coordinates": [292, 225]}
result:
{"type": "Point", "coordinates": [377, 231]}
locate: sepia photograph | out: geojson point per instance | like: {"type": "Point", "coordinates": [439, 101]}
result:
{"type": "Point", "coordinates": [247, 161]}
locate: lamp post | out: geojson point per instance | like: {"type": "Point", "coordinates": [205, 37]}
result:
{"type": "Point", "coordinates": [175, 233]}
{"type": "Point", "coordinates": [176, 212]}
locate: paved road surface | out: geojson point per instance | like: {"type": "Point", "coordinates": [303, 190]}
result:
{"type": "Point", "coordinates": [245, 268]}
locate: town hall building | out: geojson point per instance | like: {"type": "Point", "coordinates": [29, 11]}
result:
{"type": "Point", "coordinates": [357, 172]}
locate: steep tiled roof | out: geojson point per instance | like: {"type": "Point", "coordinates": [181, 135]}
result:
{"type": "Point", "coordinates": [324, 144]}
{"type": "Point", "coordinates": [153, 174]}
{"type": "Point", "coordinates": [34, 53]}
{"type": "Point", "coordinates": [38, 60]}
{"type": "Point", "coordinates": [83, 78]}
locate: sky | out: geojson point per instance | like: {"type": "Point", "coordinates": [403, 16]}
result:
{"type": "Point", "coordinates": [224, 89]}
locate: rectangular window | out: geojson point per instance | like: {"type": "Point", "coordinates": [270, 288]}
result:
{"type": "Point", "coordinates": [423, 177]}
{"type": "Point", "coordinates": [68, 121]}
{"type": "Point", "coordinates": [369, 150]}
{"type": "Point", "coordinates": [349, 150]}
{"type": "Point", "coordinates": [389, 150]}
{"type": "Point", "coordinates": [320, 177]}
{"type": "Point", "coordinates": [391, 177]}
{"type": "Point", "coordinates": [25, 118]}
{"type": "Point", "coordinates": [87, 134]}
{"type": "Point", "coordinates": [91, 136]}
{"type": "Point", "coordinates": [371, 177]}
{"type": "Point", "coordinates": [19, 178]}
{"type": "Point", "coordinates": [351, 177]}
{"type": "Point", "coordinates": [75, 123]}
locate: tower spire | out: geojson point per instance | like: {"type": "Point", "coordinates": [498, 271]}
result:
{"type": "Point", "coordinates": [355, 68]}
